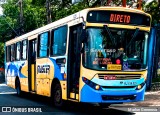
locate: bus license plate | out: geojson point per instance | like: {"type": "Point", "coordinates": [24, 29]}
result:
{"type": "Point", "coordinates": [114, 67]}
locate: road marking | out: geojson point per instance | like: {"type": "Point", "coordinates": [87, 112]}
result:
{"type": "Point", "coordinates": [3, 85]}
{"type": "Point", "coordinates": [8, 92]}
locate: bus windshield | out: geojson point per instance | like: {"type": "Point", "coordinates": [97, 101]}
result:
{"type": "Point", "coordinates": [109, 46]}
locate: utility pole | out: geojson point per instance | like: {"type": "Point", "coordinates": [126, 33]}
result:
{"type": "Point", "coordinates": [139, 4]}
{"type": "Point", "coordinates": [124, 3]}
{"type": "Point", "coordinates": [21, 22]}
{"type": "Point", "coordinates": [48, 11]}
{"type": "Point", "coordinates": [108, 2]}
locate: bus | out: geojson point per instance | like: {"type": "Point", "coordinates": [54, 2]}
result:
{"type": "Point", "coordinates": [97, 55]}
{"type": "Point", "coordinates": [154, 57]}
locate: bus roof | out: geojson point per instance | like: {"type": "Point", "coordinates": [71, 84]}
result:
{"type": "Point", "coordinates": [63, 21]}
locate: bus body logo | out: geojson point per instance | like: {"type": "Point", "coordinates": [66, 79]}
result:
{"type": "Point", "coordinates": [43, 69]}
{"type": "Point", "coordinates": [128, 83]}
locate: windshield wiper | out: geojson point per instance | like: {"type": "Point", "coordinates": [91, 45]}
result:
{"type": "Point", "coordinates": [110, 35]}
{"type": "Point", "coordinates": [133, 37]}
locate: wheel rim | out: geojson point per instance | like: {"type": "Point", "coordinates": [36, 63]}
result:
{"type": "Point", "coordinates": [57, 96]}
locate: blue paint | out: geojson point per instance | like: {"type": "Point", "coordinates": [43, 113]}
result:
{"type": "Point", "coordinates": [103, 82]}
{"type": "Point", "coordinates": [14, 68]}
{"type": "Point", "coordinates": [151, 53]}
{"type": "Point", "coordinates": [90, 95]}
{"type": "Point", "coordinates": [57, 71]}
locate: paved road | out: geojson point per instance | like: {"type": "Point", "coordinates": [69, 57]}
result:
{"type": "Point", "coordinates": [8, 98]}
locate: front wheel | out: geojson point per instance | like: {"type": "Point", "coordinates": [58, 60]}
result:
{"type": "Point", "coordinates": [57, 96]}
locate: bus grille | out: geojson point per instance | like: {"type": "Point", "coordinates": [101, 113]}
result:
{"type": "Point", "coordinates": [117, 87]}
{"type": "Point", "coordinates": [125, 97]}
{"type": "Point", "coordinates": [121, 76]}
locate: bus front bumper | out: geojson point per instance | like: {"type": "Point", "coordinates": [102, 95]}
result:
{"type": "Point", "coordinates": [111, 96]}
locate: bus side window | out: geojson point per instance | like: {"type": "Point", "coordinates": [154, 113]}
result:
{"type": "Point", "coordinates": [58, 41]}
{"type": "Point", "coordinates": [8, 53]}
{"type": "Point", "coordinates": [43, 44]}
{"type": "Point", "coordinates": [13, 52]}
{"type": "Point", "coordinates": [24, 50]}
{"type": "Point", "coordinates": [18, 51]}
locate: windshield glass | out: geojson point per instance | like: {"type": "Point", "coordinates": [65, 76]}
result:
{"type": "Point", "coordinates": [115, 49]}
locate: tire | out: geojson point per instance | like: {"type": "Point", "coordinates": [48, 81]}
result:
{"type": "Point", "coordinates": [57, 96]}
{"type": "Point", "coordinates": [18, 87]}
{"type": "Point", "coordinates": [104, 105]}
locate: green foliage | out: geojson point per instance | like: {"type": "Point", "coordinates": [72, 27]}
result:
{"type": "Point", "coordinates": [153, 10]}
{"type": "Point", "coordinates": [1, 54]}
{"type": "Point", "coordinates": [61, 13]}
{"type": "Point", "coordinates": [34, 16]}
{"type": "Point", "coordinates": [157, 79]}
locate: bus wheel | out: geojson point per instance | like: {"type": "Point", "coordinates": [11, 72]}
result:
{"type": "Point", "coordinates": [57, 96]}
{"type": "Point", "coordinates": [104, 105]}
{"type": "Point", "coordinates": [18, 87]}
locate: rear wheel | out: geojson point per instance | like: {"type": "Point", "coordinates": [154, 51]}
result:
{"type": "Point", "coordinates": [18, 87]}
{"type": "Point", "coordinates": [57, 96]}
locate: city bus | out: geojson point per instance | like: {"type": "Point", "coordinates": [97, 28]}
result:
{"type": "Point", "coordinates": [97, 55]}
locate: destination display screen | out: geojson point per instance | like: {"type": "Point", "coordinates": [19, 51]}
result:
{"type": "Point", "coordinates": [118, 17]}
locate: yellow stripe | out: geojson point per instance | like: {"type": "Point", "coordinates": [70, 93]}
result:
{"type": "Point", "coordinates": [33, 81]}
{"type": "Point", "coordinates": [118, 26]}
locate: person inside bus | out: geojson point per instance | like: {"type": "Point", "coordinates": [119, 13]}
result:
{"type": "Point", "coordinates": [120, 55]}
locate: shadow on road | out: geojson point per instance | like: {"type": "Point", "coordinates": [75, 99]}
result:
{"type": "Point", "coordinates": [72, 107]}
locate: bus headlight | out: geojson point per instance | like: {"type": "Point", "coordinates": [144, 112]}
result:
{"type": "Point", "coordinates": [140, 86]}
{"type": "Point", "coordinates": [97, 87]}
{"type": "Point", "coordinates": [91, 84]}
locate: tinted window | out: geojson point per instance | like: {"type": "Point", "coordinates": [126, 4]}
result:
{"type": "Point", "coordinates": [8, 53]}
{"type": "Point", "coordinates": [58, 42]}
{"type": "Point", "coordinates": [18, 51]}
{"type": "Point", "coordinates": [24, 49]}
{"type": "Point", "coordinates": [43, 45]}
{"type": "Point", "coordinates": [12, 52]}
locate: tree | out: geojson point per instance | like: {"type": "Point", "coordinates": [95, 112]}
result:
{"type": "Point", "coordinates": [153, 9]}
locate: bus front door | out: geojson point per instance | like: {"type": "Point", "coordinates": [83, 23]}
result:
{"type": "Point", "coordinates": [32, 65]}
{"type": "Point", "coordinates": [74, 59]}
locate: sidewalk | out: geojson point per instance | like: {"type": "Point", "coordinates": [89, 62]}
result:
{"type": "Point", "coordinates": [152, 98]}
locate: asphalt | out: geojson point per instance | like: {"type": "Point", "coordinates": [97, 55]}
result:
{"type": "Point", "coordinates": [152, 98]}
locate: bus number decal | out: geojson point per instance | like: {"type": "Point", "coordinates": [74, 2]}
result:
{"type": "Point", "coordinates": [120, 18]}
{"type": "Point", "coordinates": [43, 69]}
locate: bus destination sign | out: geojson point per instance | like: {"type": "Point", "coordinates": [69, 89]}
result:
{"type": "Point", "coordinates": [118, 17]}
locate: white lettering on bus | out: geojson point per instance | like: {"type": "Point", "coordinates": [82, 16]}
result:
{"type": "Point", "coordinates": [43, 69]}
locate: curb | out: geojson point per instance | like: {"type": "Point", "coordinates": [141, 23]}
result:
{"type": "Point", "coordinates": [152, 92]}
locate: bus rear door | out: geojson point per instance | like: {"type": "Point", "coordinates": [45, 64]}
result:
{"type": "Point", "coordinates": [32, 64]}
